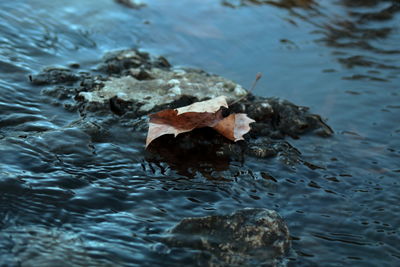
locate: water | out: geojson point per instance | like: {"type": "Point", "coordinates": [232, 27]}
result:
{"type": "Point", "coordinates": [66, 198]}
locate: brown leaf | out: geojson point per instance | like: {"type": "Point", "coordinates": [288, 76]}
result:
{"type": "Point", "coordinates": [197, 115]}
{"type": "Point", "coordinates": [234, 126]}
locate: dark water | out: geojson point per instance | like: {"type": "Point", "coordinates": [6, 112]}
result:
{"type": "Point", "coordinates": [68, 200]}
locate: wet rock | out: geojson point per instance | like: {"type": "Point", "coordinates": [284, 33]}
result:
{"type": "Point", "coordinates": [166, 86]}
{"type": "Point", "coordinates": [207, 152]}
{"type": "Point", "coordinates": [266, 147]}
{"type": "Point", "coordinates": [54, 76]}
{"type": "Point", "coordinates": [74, 65]}
{"type": "Point", "coordinates": [149, 82]}
{"type": "Point", "coordinates": [202, 150]}
{"type": "Point", "coordinates": [121, 62]}
{"type": "Point", "coordinates": [249, 237]}
{"type": "Point", "coordinates": [129, 84]}
{"type": "Point", "coordinates": [131, 4]}
{"type": "Point", "coordinates": [277, 118]}
{"type": "Point", "coordinates": [60, 92]}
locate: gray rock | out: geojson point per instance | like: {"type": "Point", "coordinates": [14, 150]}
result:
{"type": "Point", "coordinates": [150, 82]}
{"type": "Point", "coordinates": [257, 237]}
{"type": "Point", "coordinates": [165, 86]}
{"type": "Point", "coordinates": [54, 76]}
{"type": "Point", "coordinates": [132, 84]}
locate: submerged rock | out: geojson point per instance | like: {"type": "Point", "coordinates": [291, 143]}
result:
{"type": "Point", "coordinates": [41, 246]}
{"type": "Point", "coordinates": [256, 237]}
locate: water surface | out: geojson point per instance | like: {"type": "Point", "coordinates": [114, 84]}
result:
{"type": "Point", "coordinates": [67, 198]}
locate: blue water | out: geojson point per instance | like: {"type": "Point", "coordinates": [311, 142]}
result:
{"type": "Point", "coordinates": [66, 199]}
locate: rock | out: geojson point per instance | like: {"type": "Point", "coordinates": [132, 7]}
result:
{"type": "Point", "coordinates": [54, 76]}
{"type": "Point", "coordinates": [202, 150]}
{"type": "Point", "coordinates": [131, 4]}
{"type": "Point", "coordinates": [130, 84]}
{"type": "Point", "coordinates": [265, 147]}
{"type": "Point", "coordinates": [277, 118]}
{"type": "Point", "coordinates": [249, 237]}
{"type": "Point", "coordinates": [207, 152]}
{"type": "Point", "coordinates": [120, 62]}
{"type": "Point", "coordinates": [150, 82]}
{"type": "Point", "coordinates": [164, 87]}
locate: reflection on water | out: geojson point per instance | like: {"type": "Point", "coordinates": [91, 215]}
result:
{"type": "Point", "coordinates": [104, 201]}
{"type": "Point", "coordinates": [359, 31]}
{"type": "Point", "coordinates": [289, 4]}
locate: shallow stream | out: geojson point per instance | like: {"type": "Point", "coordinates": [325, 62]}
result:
{"type": "Point", "coordinates": [68, 199]}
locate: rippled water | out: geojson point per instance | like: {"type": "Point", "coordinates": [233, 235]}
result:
{"type": "Point", "coordinates": [67, 199]}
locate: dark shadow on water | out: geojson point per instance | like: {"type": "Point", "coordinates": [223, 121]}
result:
{"type": "Point", "coordinates": [190, 153]}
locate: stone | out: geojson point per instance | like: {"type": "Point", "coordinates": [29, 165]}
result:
{"type": "Point", "coordinates": [129, 84]}
{"type": "Point", "coordinates": [248, 237]}
{"type": "Point", "coordinates": [54, 76]}
{"type": "Point", "coordinates": [166, 86]}
{"type": "Point", "coordinates": [131, 4]}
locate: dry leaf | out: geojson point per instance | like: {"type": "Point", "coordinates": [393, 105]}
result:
{"type": "Point", "coordinates": [169, 122]}
{"type": "Point", "coordinates": [212, 105]}
{"type": "Point", "coordinates": [234, 126]}
{"type": "Point", "coordinates": [198, 115]}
